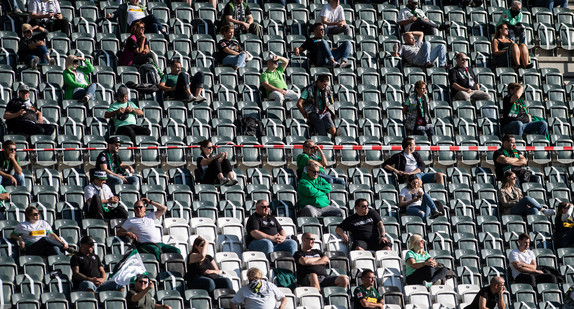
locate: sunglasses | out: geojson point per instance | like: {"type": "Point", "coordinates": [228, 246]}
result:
{"type": "Point", "coordinates": [138, 207]}
{"type": "Point", "coordinates": [12, 149]}
{"type": "Point", "coordinates": [311, 239]}
{"type": "Point", "coordinates": [35, 214]}
{"type": "Point", "coordinates": [264, 207]}
{"type": "Point", "coordinates": [143, 281]}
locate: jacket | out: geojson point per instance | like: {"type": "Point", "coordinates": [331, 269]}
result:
{"type": "Point", "coordinates": [400, 162]}
{"type": "Point", "coordinates": [509, 198]}
{"type": "Point", "coordinates": [313, 191]}
{"type": "Point", "coordinates": [70, 79]}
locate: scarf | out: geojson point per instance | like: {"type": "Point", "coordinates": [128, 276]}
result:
{"type": "Point", "coordinates": [506, 154]}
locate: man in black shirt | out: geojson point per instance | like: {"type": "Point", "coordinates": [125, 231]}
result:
{"type": "Point", "coordinates": [9, 163]}
{"type": "Point", "coordinates": [88, 273]}
{"type": "Point", "coordinates": [508, 158]}
{"type": "Point", "coordinates": [490, 296]}
{"type": "Point", "coordinates": [265, 234]}
{"type": "Point", "coordinates": [311, 266]}
{"type": "Point", "coordinates": [110, 162]}
{"type": "Point", "coordinates": [463, 81]}
{"type": "Point", "coordinates": [409, 162]}
{"type": "Point", "coordinates": [515, 117]}
{"type": "Point", "coordinates": [22, 116]}
{"type": "Point", "coordinates": [320, 53]}
{"type": "Point", "coordinates": [366, 228]}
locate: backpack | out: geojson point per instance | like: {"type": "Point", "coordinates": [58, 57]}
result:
{"type": "Point", "coordinates": [149, 74]}
{"type": "Point", "coordinates": [285, 278]}
{"type": "Point", "coordinates": [252, 126]}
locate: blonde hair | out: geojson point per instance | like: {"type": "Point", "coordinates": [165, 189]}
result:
{"type": "Point", "coordinates": [254, 273]}
{"type": "Point", "coordinates": [70, 62]}
{"type": "Point", "coordinates": [413, 240]}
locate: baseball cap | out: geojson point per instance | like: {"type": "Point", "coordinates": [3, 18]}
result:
{"type": "Point", "coordinates": [87, 240]}
{"type": "Point", "coordinates": [141, 276]}
{"type": "Point", "coordinates": [270, 56]}
{"type": "Point", "coordinates": [414, 1]}
{"type": "Point", "coordinates": [23, 87]}
{"type": "Point", "coordinates": [100, 175]}
{"type": "Point", "coordinates": [114, 140]}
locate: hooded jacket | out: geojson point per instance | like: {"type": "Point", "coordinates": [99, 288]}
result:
{"type": "Point", "coordinates": [313, 191]}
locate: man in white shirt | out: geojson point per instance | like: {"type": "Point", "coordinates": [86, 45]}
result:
{"type": "Point", "coordinates": [332, 17]}
{"type": "Point", "coordinates": [419, 53]}
{"type": "Point", "coordinates": [258, 293]}
{"type": "Point", "coordinates": [142, 230]}
{"type": "Point", "coordinates": [99, 198]}
{"type": "Point", "coordinates": [47, 13]}
{"type": "Point", "coordinates": [413, 19]}
{"type": "Point", "coordinates": [523, 264]}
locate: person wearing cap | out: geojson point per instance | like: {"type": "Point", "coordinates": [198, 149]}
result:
{"type": "Point", "coordinates": [123, 113]}
{"type": "Point", "coordinates": [110, 162]}
{"type": "Point", "coordinates": [463, 82]}
{"type": "Point", "coordinates": [273, 79]}
{"type": "Point", "coordinates": [320, 53]}
{"type": "Point", "coordinates": [413, 19]}
{"type": "Point", "coordinates": [32, 48]}
{"type": "Point", "coordinates": [22, 116]}
{"type": "Point", "coordinates": [9, 162]}
{"type": "Point", "coordinates": [332, 17]}
{"type": "Point", "coordinates": [99, 198]}
{"type": "Point", "coordinates": [88, 272]}
{"type": "Point", "coordinates": [177, 85]}
{"type": "Point", "coordinates": [258, 293]}
{"type": "Point", "coordinates": [140, 297]}
{"type": "Point", "coordinates": [77, 81]}
{"type": "Point", "coordinates": [419, 53]}
{"type": "Point", "coordinates": [142, 230]}
{"type": "Point", "coordinates": [48, 14]}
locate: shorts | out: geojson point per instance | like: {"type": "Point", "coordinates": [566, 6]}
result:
{"type": "Point", "coordinates": [373, 245]}
{"type": "Point", "coordinates": [324, 281]}
{"type": "Point", "coordinates": [426, 177]}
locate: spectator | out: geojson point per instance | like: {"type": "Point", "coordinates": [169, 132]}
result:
{"type": "Point", "coordinates": [417, 113]}
{"type": "Point", "coordinates": [123, 113]}
{"type": "Point", "coordinates": [23, 117]}
{"type": "Point", "coordinates": [214, 167]}
{"type": "Point", "coordinates": [177, 86]}
{"type": "Point", "coordinates": [332, 17]}
{"type": "Point", "coordinates": [110, 162]}
{"type": "Point", "coordinates": [101, 202]}
{"type": "Point", "coordinates": [419, 53]}
{"type": "Point", "coordinates": [316, 104]}
{"type": "Point", "coordinates": [366, 228]}
{"type": "Point", "coordinates": [512, 201]}
{"type": "Point", "coordinates": [408, 162]}
{"type": "Point", "coordinates": [312, 266]}
{"type": "Point", "coordinates": [142, 230]}
{"type": "Point", "coordinates": [140, 297]}
{"type": "Point", "coordinates": [413, 19]}
{"type": "Point", "coordinates": [463, 82]}
{"type": "Point", "coordinates": [9, 163]}
{"type": "Point", "coordinates": [523, 265]}
{"type": "Point", "coordinates": [136, 48]}
{"type": "Point", "coordinates": [32, 48]}
{"type": "Point", "coordinates": [274, 82]}
{"type": "Point", "coordinates": [231, 53]}
{"type": "Point", "coordinates": [133, 11]}
{"type": "Point", "coordinates": [512, 17]}
{"type": "Point", "coordinates": [490, 296]}
{"type": "Point", "coordinates": [421, 268]}
{"type": "Point", "coordinates": [202, 271]}
{"type": "Point", "coordinates": [320, 53]}
{"type": "Point", "coordinates": [265, 234]}
{"type": "Point", "coordinates": [35, 236]}
{"type": "Point", "coordinates": [88, 273]}
{"type": "Point", "coordinates": [515, 117]}
{"type": "Point", "coordinates": [551, 4]}
{"type": "Point", "coordinates": [504, 49]}
{"type": "Point", "coordinates": [312, 192]}
{"type": "Point", "coordinates": [417, 202]}
{"type": "Point", "coordinates": [366, 295]}
{"type": "Point", "coordinates": [237, 14]}
{"type": "Point", "coordinates": [76, 79]}
{"type": "Point", "coordinates": [48, 15]}
{"type": "Point", "coordinates": [508, 158]}
{"type": "Point", "coordinates": [315, 154]}
{"type": "Point", "coordinates": [564, 224]}
{"type": "Point", "coordinates": [258, 293]}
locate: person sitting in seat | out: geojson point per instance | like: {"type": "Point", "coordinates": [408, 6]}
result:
{"type": "Point", "coordinates": [202, 271]}
{"type": "Point", "coordinates": [512, 201]}
{"type": "Point", "coordinates": [231, 54]}
{"type": "Point", "coordinates": [419, 53]}
{"type": "Point", "coordinates": [504, 49]}
{"type": "Point", "coordinates": [214, 168]}
{"type": "Point", "coordinates": [564, 225]}
{"type": "Point", "coordinates": [421, 268]}
{"type": "Point", "coordinates": [320, 53]}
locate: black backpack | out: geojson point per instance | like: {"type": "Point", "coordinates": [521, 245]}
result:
{"type": "Point", "coordinates": [252, 126]}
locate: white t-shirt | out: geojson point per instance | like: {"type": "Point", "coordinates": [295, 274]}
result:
{"type": "Point", "coordinates": [135, 12]}
{"type": "Point", "coordinates": [265, 299]}
{"type": "Point", "coordinates": [524, 257]}
{"type": "Point", "coordinates": [411, 163]}
{"type": "Point", "coordinates": [144, 228]}
{"type": "Point", "coordinates": [32, 232]}
{"type": "Point", "coordinates": [104, 192]}
{"type": "Point", "coordinates": [336, 14]}
{"type": "Point", "coordinates": [408, 195]}
{"type": "Point", "coordinates": [406, 13]}
{"type": "Point", "coordinates": [81, 78]}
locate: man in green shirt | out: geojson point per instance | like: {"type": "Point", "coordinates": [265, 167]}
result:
{"type": "Point", "coordinates": [9, 163]}
{"type": "Point", "coordinates": [366, 295]}
{"type": "Point", "coordinates": [176, 85]}
{"type": "Point", "coordinates": [512, 17]}
{"type": "Point", "coordinates": [123, 113]}
{"type": "Point", "coordinates": [312, 192]}
{"type": "Point", "coordinates": [273, 80]}
{"type": "Point", "coordinates": [313, 153]}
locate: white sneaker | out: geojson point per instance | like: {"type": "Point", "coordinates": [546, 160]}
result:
{"type": "Point", "coordinates": [34, 63]}
{"type": "Point", "coordinates": [200, 98]}
{"type": "Point", "coordinates": [548, 212]}
{"type": "Point", "coordinates": [233, 181]}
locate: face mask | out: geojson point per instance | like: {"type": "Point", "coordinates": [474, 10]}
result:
{"type": "Point", "coordinates": [514, 13]}
{"type": "Point", "coordinates": [255, 286]}
{"type": "Point", "coordinates": [411, 6]}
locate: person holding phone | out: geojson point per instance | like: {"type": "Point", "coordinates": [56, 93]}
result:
{"type": "Point", "coordinates": [311, 152]}
{"type": "Point", "coordinates": [418, 203]}
{"type": "Point", "coordinates": [23, 117]}
{"type": "Point", "coordinates": [32, 47]}
{"type": "Point", "coordinates": [123, 113]}
{"type": "Point", "coordinates": [140, 297]}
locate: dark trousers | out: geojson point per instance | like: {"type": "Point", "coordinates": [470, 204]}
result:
{"type": "Point", "coordinates": [565, 239]}
{"type": "Point", "coordinates": [152, 24]}
{"type": "Point", "coordinates": [214, 168]}
{"type": "Point", "coordinates": [143, 59]}
{"type": "Point", "coordinates": [427, 27]}
{"type": "Point", "coordinates": [534, 279]}
{"type": "Point", "coordinates": [31, 128]}
{"type": "Point", "coordinates": [96, 211]}
{"type": "Point", "coordinates": [427, 273]}
{"type": "Point", "coordinates": [53, 25]}
{"type": "Point", "coordinates": [132, 130]}
{"type": "Point", "coordinates": [44, 247]}
{"type": "Point", "coordinates": [183, 83]}
{"type": "Point", "coordinates": [156, 248]}
{"type": "Point", "coordinates": [209, 284]}
{"type": "Point", "coordinates": [371, 245]}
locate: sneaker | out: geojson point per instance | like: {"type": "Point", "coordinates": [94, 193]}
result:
{"type": "Point", "coordinates": [435, 214]}
{"type": "Point", "coordinates": [52, 61]}
{"type": "Point", "coordinates": [189, 98]}
{"type": "Point", "coordinates": [345, 65]}
{"type": "Point", "coordinates": [223, 181]}
{"type": "Point", "coordinates": [548, 212]}
{"type": "Point", "coordinates": [428, 65]}
{"type": "Point", "coordinates": [233, 181]}
{"type": "Point", "coordinates": [200, 98]}
{"type": "Point", "coordinates": [34, 63]}
{"type": "Point", "coordinates": [427, 284]}
{"type": "Point", "coordinates": [530, 65]}
{"type": "Point", "coordinates": [86, 98]}
{"type": "Point", "coordinates": [72, 250]}
{"type": "Point", "coordinates": [336, 64]}
{"type": "Point", "coordinates": [443, 27]}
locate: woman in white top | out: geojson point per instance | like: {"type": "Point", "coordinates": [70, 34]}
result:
{"type": "Point", "coordinates": [418, 203]}
{"type": "Point", "coordinates": [332, 16]}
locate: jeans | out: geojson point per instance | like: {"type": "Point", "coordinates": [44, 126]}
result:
{"type": "Point", "coordinates": [321, 125]}
{"type": "Point", "coordinates": [519, 128]}
{"type": "Point", "coordinates": [325, 54]}
{"type": "Point", "coordinates": [45, 246]}
{"type": "Point", "coordinates": [266, 246]}
{"type": "Point", "coordinates": [521, 208]}
{"type": "Point", "coordinates": [426, 177]}
{"type": "Point", "coordinates": [234, 60]}
{"type": "Point", "coordinates": [426, 55]}
{"type": "Point", "coordinates": [20, 181]}
{"type": "Point", "coordinates": [79, 93]}
{"type": "Point", "coordinates": [332, 179]}
{"type": "Point", "coordinates": [208, 284]}
{"type": "Point", "coordinates": [278, 97]}
{"type": "Point", "coordinates": [106, 286]}
{"type": "Point", "coordinates": [473, 94]}
{"type": "Point", "coordinates": [114, 180]}
{"type": "Point", "coordinates": [428, 133]}
{"type": "Point", "coordinates": [426, 207]}
{"type": "Point", "coordinates": [184, 83]}
{"type": "Point", "coordinates": [332, 30]}
{"type": "Point", "coordinates": [39, 52]}
{"type": "Point", "coordinates": [329, 211]}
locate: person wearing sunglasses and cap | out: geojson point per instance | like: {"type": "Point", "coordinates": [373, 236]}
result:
{"type": "Point", "coordinates": [140, 297]}
{"type": "Point", "coordinates": [88, 272]}
{"type": "Point", "coordinates": [463, 82]}
{"type": "Point", "coordinates": [366, 227]}
{"type": "Point", "coordinates": [23, 117]}
{"type": "Point", "coordinates": [273, 79]}
{"type": "Point", "coordinates": [99, 199]}
{"type": "Point", "coordinates": [9, 162]}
